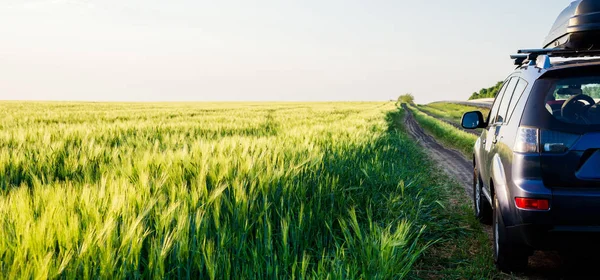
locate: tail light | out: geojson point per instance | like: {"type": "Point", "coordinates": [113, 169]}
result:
{"type": "Point", "coordinates": [527, 140]}
{"type": "Point", "coordinates": [557, 142]}
{"type": "Point", "coordinates": [532, 140]}
{"type": "Point", "coordinates": [532, 204]}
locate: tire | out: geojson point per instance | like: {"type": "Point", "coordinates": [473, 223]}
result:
{"type": "Point", "coordinates": [483, 209]}
{"type": "Point", "coordinates": [508, 258]}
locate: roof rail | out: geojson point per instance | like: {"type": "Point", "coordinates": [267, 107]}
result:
{"type": "Point", "coordinates": [528, 55]}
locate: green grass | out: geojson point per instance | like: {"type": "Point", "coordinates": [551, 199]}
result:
{"type": "Point", "coordinates": [446, 133]}
{"type": "Point", "coordinates": [209, 190]}
{"type": "Point", "coordinates": [450, 112]}
{"type": "Point", "coordinates": [465, 252]}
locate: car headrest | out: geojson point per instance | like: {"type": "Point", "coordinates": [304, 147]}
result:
{"type": "Point", "coordinates": [569, 91]}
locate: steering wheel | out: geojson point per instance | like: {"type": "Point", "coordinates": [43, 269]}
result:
{"type": "Point", "coordinates": [572, 106]}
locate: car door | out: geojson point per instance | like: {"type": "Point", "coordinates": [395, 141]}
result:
{"type": "Point", "coordinates": [494, 142]}
{"type": "Point", "coordinates": [488, 136]}
{"type": "Point", "coordinates": [503, 142]}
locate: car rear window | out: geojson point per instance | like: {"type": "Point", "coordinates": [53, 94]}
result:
{"type": "Point", "coordinates": [575, 100]}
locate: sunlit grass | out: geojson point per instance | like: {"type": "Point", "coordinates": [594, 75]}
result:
{"type": "Point", "coordinates": [282, 190]}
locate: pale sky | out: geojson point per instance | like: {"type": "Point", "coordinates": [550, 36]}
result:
{"type": "Point", "coordinates": [239, 50]}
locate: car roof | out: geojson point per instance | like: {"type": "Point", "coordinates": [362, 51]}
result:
{"type": "Point", "coordinates": [533, 72]}
{"type": "Point", "coordinates": [570, 63]}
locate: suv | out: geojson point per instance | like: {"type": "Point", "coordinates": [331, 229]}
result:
{"type": "Point", "coordinates": [536, 165]}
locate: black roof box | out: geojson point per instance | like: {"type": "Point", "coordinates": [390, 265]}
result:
{"type": "Point", "coordinates": [577, 27]}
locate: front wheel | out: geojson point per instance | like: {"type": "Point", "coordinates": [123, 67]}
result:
{"type": "Point", "coordinates": [483, 209]}
{"type": "Point", "coordinates": [507, 258]}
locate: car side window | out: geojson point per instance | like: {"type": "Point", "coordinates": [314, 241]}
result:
{"type": "Point", "coordinates": [503, 110]}
{"type": "Point", "coordinates": [494, 111]}
{"type": "Point", "coordinates": [519, 90]}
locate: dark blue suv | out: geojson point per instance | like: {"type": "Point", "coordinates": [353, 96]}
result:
{"type": "Point", "coordinates": [536, 165]}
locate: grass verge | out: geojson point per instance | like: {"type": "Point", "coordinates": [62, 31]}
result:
{"type": "Point", "coordinates": [465, 251]}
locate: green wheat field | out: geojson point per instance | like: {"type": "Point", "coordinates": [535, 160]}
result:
{"type": "Point", "coordinates": [211, 191]}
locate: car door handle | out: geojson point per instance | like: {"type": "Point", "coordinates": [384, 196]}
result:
{"type": "Point", "coordinates": [496, 133]}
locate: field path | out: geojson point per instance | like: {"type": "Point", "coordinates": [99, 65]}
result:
{"type": "Point", "coordinates": [452, 161]}
{"type": "Point", "coordinates": [542, 265]}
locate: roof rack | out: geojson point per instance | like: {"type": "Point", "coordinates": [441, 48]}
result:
{"type": "Point", "coordinates": [530, 56]}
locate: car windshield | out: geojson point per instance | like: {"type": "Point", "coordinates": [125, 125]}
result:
{"type": "Point", "coordinates": [575, 100]}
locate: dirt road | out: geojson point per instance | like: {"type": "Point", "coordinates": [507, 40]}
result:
{"type": "Point", "coordinates": [453, 162]}
{"type": "Point", "coordinates": [543, 265]}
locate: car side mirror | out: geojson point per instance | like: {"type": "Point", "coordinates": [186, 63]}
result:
{"type": "Point", "coordinates": [472, 120]}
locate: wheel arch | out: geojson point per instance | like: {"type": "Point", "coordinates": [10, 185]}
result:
{"type": "Point", "coordinates": [499, 188]}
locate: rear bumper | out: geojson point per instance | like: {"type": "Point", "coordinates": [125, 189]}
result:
{"type": "Point", "coordinates": [573, 220]}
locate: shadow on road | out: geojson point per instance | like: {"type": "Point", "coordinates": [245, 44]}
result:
{"type": "Point", "coordinates": [551, 265]}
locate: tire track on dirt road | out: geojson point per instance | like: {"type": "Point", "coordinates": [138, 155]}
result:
{"type": "Point", "coordinates": [542, 265]}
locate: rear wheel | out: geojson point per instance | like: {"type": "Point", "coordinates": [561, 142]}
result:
{"type": "Point", "coordinates": [483, 209]}
{"type": "Point", "coordinates": [507, 257]}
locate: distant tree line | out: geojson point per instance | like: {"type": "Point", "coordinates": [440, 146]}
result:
{"type": "Point", "coordinates": [487, 92]}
